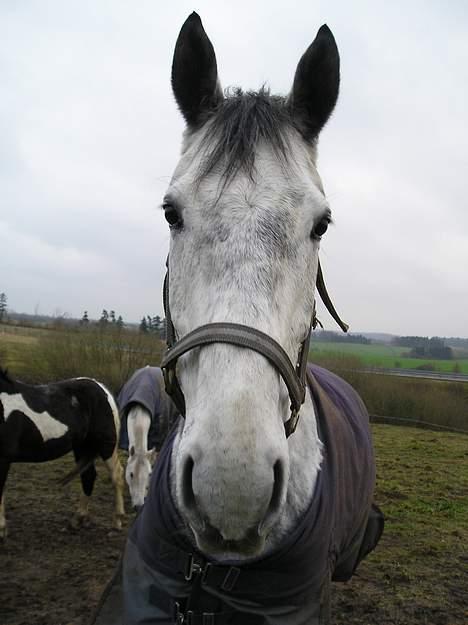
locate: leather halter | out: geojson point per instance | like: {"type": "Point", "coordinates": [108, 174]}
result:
{"type": "Point", "coordinates": [247, 337]}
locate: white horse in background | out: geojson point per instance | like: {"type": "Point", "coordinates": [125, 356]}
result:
{"type": "Point", "coordinates": [140, 458]}
{"type": "Point", "coordinates": [147, 414]}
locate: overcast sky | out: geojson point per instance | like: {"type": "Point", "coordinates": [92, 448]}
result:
{"type": "Point", "coordinates": [90, 135]}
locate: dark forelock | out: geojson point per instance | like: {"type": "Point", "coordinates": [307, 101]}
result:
{"type": "Point", "coordinates": [239, 122]}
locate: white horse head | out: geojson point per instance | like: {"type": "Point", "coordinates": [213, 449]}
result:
{"type": "Point", "coordinates": [246, 209]}
{"type": "Point", "coordinates": [140, 459]}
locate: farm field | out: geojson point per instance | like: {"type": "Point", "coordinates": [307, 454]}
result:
{"type": "Point", "coordinates": [40, 355]}
{"type": "Point", "coordinates": [18, 346]}
{"type": "Point", "coordinates": [51, 575]}
{"type": "Point", "coordinates": [384, 356]}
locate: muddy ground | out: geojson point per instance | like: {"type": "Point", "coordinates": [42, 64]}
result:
{"type": "Point", "coordinates": [52, 575]}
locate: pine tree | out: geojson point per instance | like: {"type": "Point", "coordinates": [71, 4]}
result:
{"type": "Point", "coordinates": [3, 305]}
{"type": "Point", "coordinates": [143, 326]}
{"type": "Point", "coordinates": [112, 316]}
{"type": "Point", "coordinates": [104, 320]}
{"type": "Point", "coordinates": [120, 322]}
{"type": "Point", "coordinates": [156, 324]}
{"type": "Point", "coordinates": [84, 319]}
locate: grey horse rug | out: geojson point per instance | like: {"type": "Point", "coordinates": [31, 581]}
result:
{"type": "Point", "coordinates": [164, 580]}
{"type": "Point", "coordinates": [146, 387]}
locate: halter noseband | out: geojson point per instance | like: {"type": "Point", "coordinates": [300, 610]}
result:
{"type": "Point", "coordinates": [247, 337]}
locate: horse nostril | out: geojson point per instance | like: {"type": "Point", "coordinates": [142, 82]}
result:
{"type": "Point", "coordinates": [188, 496]}
{"type": "Point", "coordinates": [277, 498]}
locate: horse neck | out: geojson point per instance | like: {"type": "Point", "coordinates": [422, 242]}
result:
{"type": "Point", "coordinates": [138, 425]}
{"type": "Point", "coordinates": [305, 456]}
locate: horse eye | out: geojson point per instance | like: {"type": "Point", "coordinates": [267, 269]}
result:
{"type": "Point", "coordinates": [172, 216]}
{"type": "Point", "coordinates": [131, 476]}
{"type": "Point", "coordinates": [320, 228]}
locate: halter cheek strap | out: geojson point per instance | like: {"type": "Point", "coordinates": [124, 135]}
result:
{"type": "Point", "coordinates": [247, 337]}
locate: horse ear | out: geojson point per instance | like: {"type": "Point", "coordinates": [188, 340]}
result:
{"type": "Point", "coordinates": [316, 84]}
{"type": "Point", "coordinates": [194, 72]}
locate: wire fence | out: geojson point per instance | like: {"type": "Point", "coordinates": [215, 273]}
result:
{"type": "Point", "coordinates": [417, 423]}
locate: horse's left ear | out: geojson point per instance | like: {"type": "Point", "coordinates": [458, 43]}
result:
{"type": "Point", "coordinates": [316, 84]}
{"type": "Point", "coordinates": [195, 73]}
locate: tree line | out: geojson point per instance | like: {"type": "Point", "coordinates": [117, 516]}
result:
{"type": "Point", "coordinates": [335, 337]}
{"type": "Point", "coordinates": [425, 347]}
{"type": "Point", "coordinates": [110, 320]}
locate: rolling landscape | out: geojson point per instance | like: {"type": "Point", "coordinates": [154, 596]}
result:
{"type": "Point", "coordinates": [416, 575]}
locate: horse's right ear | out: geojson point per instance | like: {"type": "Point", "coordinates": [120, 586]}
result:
{"type": "Point", "coordinates": [316, 84]}
{"type": "Point", "coordinates": [194, 73]}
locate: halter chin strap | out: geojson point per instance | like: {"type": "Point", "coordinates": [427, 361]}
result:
{"type": "Point", "coordinates": [247, 337]}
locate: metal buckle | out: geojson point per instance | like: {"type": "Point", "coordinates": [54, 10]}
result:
{"type": "Point", "coordinates": [169, 376]}
{"type": "Point", "coordinates": [179, 615]}
{"type": "Point", "coordinates": [230, 579]}
{"type": "Point", "coordinates": [291, 423]}
{"type": "Point", "coordinates": [192, 568]}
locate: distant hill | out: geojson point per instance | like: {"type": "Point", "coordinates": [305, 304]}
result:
{"type": "Point", "coordinates": [379, 337]}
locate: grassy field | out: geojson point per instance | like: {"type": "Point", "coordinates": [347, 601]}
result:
{"type": "Point", "coordinates": [18, 346]}
{"type": "Point", "coordinates": [386, 356]}
{"type": "Point", "coordinates": [40, 355]}
{"type": "Point", "coordinates": [419, 572]}
{"type": "Point", "coordinates": [414, 399]}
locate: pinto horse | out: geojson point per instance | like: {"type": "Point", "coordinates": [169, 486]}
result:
{"type": "Point", "coordinates": [264, 494]}
{"type": "Point", "coordinates": [45, 422]}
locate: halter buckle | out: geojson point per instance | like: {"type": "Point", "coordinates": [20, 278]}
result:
{"type": "Point", "coordinates": [169, 379]}
{"type": "Point", "coordinates": [192, 568]}
{"type": "Point", "coordinates": [179, 615]}
{"type": "Point", "coordinates": [291, 423]}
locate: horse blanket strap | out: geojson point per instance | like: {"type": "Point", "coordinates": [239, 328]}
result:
{"type": "Point", "coordinates": [242, 336]}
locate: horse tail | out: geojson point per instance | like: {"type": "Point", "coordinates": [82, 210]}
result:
{"type": "Point", "coordinates": [82, 464]}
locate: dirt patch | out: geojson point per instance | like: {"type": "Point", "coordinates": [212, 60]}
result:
{"type": "Point", "coordinates": [51, 575]}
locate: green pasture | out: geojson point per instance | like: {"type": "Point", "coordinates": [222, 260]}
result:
{"type": "Point", "coordinates": [385, 356]}
{"type": "Point", "coordinates": [418, 570]}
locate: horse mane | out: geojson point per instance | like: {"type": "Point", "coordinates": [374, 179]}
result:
{"type": "Point", "coordinates": [237, 125]}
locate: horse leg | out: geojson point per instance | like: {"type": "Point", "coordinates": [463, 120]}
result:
{"type": "Point", "coordinates": [117, 476]}
{"type": "Point", "coordinates": [87, 477]}
{"type": "Point", "coordinates": [4, 468]}
{"type": "Point", "coordinates": [325, 602]}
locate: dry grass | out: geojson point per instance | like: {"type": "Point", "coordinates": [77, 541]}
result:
{"type": "Point", "coordinates": [109, 355]}
{"type": "Point", "coordinates": [437, 402]}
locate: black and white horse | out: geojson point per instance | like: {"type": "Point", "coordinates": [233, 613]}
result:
{"type": "Point", "coordinates": [45, 422]}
